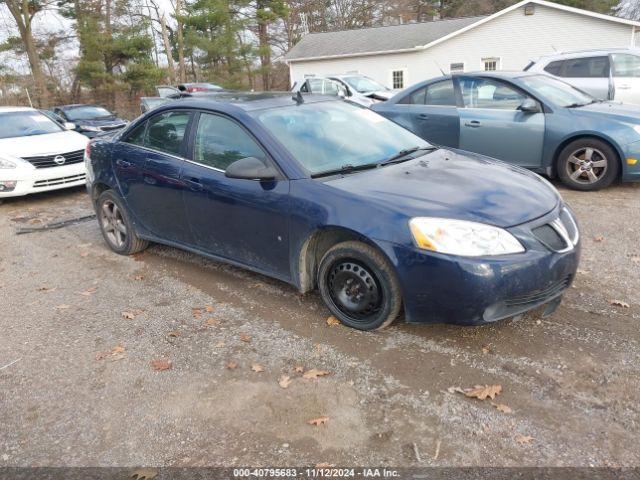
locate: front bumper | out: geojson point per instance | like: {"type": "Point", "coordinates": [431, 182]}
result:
{"type": "Point", "coordinates": [473, 291]}
{"type": "Point", "coordinates": [35, 180]}
{"type": "Point", "coordinates": [631, 169]}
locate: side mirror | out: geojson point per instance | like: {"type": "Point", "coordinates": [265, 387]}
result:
{"type": "Point", "coordinates": [529, 106]}
{"type": "Point", "coordinates": [69, 126]}
{"type": "Point", "coordinates": [250, 168]}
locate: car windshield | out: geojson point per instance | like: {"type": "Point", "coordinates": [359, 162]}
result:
{"type": "Point", "coordinates": [558, 92]}
{"type": "Point", "coordinates": [89, 112]}
{"type": "Point", "coordinates": [23, 124]}
{"type": "Point", "coordinates": [328, 136]}
{"type": "Point", "coordinates": [363, 84]}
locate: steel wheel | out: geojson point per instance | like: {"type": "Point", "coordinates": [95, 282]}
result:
{"type": "Point", "coordinates": [354, 290]}
{"type": "Point", "coordinates": [587, 165]}
{"type": "Point", "coordinates": [113, 224]}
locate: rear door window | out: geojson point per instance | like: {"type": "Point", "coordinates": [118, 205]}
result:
{"type": "Point", "coordinates": [625, 65]}
{"type": "Point", "coordinates": [588, 67]}
{"type": "Point", "coordinates": [554, 68]}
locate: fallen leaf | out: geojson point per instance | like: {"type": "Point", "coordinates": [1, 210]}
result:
{"type": "Point", "coordinates": [598, 239]}
{"type": "Point", "coordinates": [197, 313]}
{"type": "Point", "coordinates": [212, 322]}
{"type": "Point", "coordinates": [160, 365]}
{"type": "Point", "coordinates": [298, 369]}
{"type": "Point", "coordinates": [333, 321]}
{"type": "Point", "coordinates": [232, 365]}
{"type": "Point", "coordinates": [318, 421]}
{"type": "Point", "coordinates": [138, 278]}
{"type": "Point", "coordinates": [114, 351]}
{"type": "Point", "coordinates": [284, 381]}
{"type": "Point", "coordinates": [63, 307]}
{"type": "Point", "coordinates": [84, 254]}
{"type": "Point", "coordinates": [128, 315]}
{"type": "Point", "coordinates": [314, 373]}
{"type": "Point", "coordinates": [46, 289]}
{"type": "Point", "coordinates": [486, 349]}
{"type": "Point", "coordinates": [89, 291]}
{"type": "Point", "coordinates": [455, 390]}
{"type": "Point", "coordinates": [619, 303]}
{"type": "Point", "coordinates": [174, 334]}
{"type": "Point", "coordinates": [245, 338]}
{"type": "Point", "coordinates": [256, 367]}
{"type": "Point", "coordinates": [501, 407]}
{"type": "Point", "coordinates": [209, 308]}
{"type": "Point", "coordinates": [635, 258]}
{"type": "Point", "coordinates": [219, 344]}
{"type": "Point", "coordinates": [524, 439]}
{"type": "Point", "coordinates": [118, 349]}
{"type": "Point", "coordinates": [484, 392]}
{"type": "Point", "coordinates": [144, 474]}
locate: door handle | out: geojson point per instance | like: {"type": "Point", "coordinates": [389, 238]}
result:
{"type": "Point", "coordinates": [473, 124]}
{"type": "Point", "coordinates": [624, 86]}
{"type": "Point", "coordinates": [423, 116]}
{"type": "Point", "coordinates": [194, 184]}
{"type": "Point", "coordinates": [123, 163]}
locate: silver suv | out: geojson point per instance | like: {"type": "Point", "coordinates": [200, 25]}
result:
{"type": "Point", "coordinates": [612, 74]}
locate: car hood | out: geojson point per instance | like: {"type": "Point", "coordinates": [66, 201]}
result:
{"type": "Point", "coordinates": [49, 144]}
{"type": "Point", "coordinates": [455, 184]}
{"type": "Point", "coordinates": [101, 122]}
{"type": "Point", "coordinates": [616, 111]}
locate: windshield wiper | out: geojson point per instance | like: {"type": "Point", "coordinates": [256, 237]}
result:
{"type": "Point", "coordinates": [345, 169]}
{"type": "Point", "coordinates": [402, 155]}
{"type": "Point", "coordinates": [577, 105]}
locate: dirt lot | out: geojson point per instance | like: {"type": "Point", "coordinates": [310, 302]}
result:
{"type": "Point", "coordinates": [77, 385]}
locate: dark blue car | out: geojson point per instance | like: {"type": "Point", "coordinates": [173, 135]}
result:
{"type": "Point", "coordinates": [527, 119]}
{"type": "Point", "coordinates": [321, 193]}
{"type": "Point", "coordinates": [90, 120]}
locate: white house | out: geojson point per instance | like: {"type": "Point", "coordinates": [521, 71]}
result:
{"type": "Point", "coordinates": [401, 55]}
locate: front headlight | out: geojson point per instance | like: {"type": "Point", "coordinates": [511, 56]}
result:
{"type": "Point", "coordinates": [4, 163]}
{"type": "Point", "coordinates": [459, 237]}
{"type": "Point", "coordinates": [89, 128]}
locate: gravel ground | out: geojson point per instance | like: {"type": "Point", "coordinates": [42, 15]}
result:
{"type": "Point", "coordinates": [78, 385]}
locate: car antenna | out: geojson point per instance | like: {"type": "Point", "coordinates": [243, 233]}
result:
{"type": "Point", "coordinates": [439, 68]}
{"type": "Point", "coordinates": [299, 99]}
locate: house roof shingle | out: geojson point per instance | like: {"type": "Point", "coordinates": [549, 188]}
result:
{"type": "Point", "coordinates": [376, 39]}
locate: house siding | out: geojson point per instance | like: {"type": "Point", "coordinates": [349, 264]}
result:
{"type": "Point", "coordinates": [514, 38]}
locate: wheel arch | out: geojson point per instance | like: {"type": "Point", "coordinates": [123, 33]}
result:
{"type": "Point", "coordinates": [97, 189]}
{"type": "Point", "coordinates": [580, 136]}
{"type": "Point", "coordinates": [315, 245]}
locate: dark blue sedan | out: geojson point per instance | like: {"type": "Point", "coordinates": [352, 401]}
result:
{"type": "Point", "coordinates": [527, 119]}
{"type": "Point", "coordinates": [320, 193]}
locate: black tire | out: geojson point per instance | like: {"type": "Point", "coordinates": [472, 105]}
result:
{"type": "Point", "coordinates": [577, 165]}
{"type": "Point", "coordinates": [345, 272]}
{"type": "Point", "coordinates": [116, 226]}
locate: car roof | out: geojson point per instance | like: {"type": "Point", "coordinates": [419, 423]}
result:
{"type": "Point", "coordinates": [17, 109]}
{"type": "Point", "coordinates": [248, 101]}
{"type": "Point", "coordinates": [77, 105]}
{"type": "Point", "coordinates": [587, 53]}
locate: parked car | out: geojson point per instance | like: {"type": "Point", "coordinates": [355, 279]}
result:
{"type": "Point", "coordinates": [334, 88]}
{"type": "Point", "coordinates": [527, 119]}
{"type": "Point", "coordinates": [361, 85]}
{"type": "Point", "coordinates": [320, 192]}
{"type": "Point", "coordinates": [37, 154]}
{"type": "Point", "coordinates": [90, 120]}
{"type": "Point", "coordinates": [612, 74]}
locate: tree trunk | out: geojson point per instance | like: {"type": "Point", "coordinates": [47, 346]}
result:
{"type": "Point", "coordinates": [181, 65]}
{"type": "Point", "coordinates": [167, 49]}
{"type": "Point", "coordinates": [265, 48]}
{"type": "Point", "coordinates": [19, 9]}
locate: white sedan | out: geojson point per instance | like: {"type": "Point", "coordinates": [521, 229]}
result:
{"type": "Point", "coordinates": [37, 154]}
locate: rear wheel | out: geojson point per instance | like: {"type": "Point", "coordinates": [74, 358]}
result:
{"type": "Point", "coordinates": [588, 164]}
{"type": "Point", "coordinates": [359, 286]}
{"type": "Point", "coordinates": [116, 226]}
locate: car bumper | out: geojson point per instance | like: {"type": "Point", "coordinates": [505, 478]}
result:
{"type": "Point", "coordinates": [34, 180]}
{"type": "Point", "coordinates": [631, 163]}
{"type": "Point", "coordinates": [473, 291]}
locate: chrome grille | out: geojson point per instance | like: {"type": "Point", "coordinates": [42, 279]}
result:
{"type": "Point", "coordinates": [58, 160]}
{"type": "Point", "coordinates": [561, 234]}
{"type": "Point", "coordinates": [59, 181]}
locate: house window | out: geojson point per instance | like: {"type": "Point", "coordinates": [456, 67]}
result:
{"type": "Point", "coordinates": [397, 79]}
{"type": "Point", "coordinates": [456, 68]}
{"type": "Point", "coordinates": [491, 64]}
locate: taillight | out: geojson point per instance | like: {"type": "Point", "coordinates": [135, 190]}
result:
{"type": "Point", "coordinates": [87, 150]}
